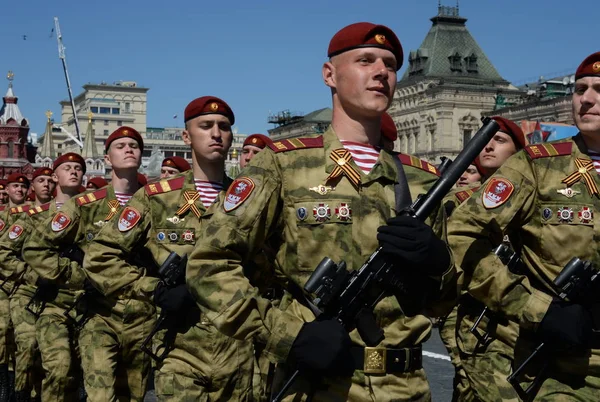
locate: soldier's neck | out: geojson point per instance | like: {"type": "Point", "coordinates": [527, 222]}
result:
{"type": "Point", "coordinates": [40, 201]}
{"type": "Point", "coordinates": [64, 193]}
{"type": "Point", "coordinates": [11, 203]}
{"type": "Point", "coordinates": [125, 181]}
{"type": "Point", "coordinates": [208, 170]}
{"type": "Point", "coordinates": [592, 141]}
{"type": "Point", "coordinates": [360, 129]}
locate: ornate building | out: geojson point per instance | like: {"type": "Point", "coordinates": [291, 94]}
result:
{"type": "Point", "coordinates": [292, 125]}
{"type": "Point", "coordinates": [94, 161]}
{"type": "Point", "coordinates": [14, 129]}
{"type": "Point", "coordinates": [448, 85]}
{"type": "Point", "coordinates": [46, 154]}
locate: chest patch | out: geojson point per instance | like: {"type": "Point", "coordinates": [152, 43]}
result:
{"type": "Point", "coordinates": [497, 191]}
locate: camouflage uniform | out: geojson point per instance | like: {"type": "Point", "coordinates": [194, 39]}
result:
{"type": "Point", "coordinates": [76, 223]}
{"type": "Point", "coordinates": [282, 208]}
{"type": "Point", "coordinates": [6, 220]}
{"type": "Point", "coordinates": [201, 363]}
{"type": "Point", "coordinates": [527, 200]}
{"type": "Point", "coordinates": [27, 360]}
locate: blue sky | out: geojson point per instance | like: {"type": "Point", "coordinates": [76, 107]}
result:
{"type": "Point", "coordinates": [259, 56]}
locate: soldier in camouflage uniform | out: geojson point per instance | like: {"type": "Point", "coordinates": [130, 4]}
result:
{"type": "Point", "coordinates": [3, 193]}
{"type": "Point", "coordinates": [173, 165]}
{"type": "Point", "coordinates": [55, 252]}
{"type": "Point", "coordinates": [201, 363]}
{"type": "Point", "coordinates": [17, 186]}
{"type": "Point", "coordinates": [307, 198]}
{"type": "Point", "coordinates": [27, 369]}
{"type": "Point", "coordinates": [544, 199]}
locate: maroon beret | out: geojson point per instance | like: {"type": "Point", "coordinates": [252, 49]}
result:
{"type": "Point", "coordinates": [17, 178]}
{"type": "Point", "coordinates": [257, 140]}
{"type": "Point", "coordinates": [510, 128]}
{"type": "Point", "coordinates": [30, 196]}
{"type": "Point", "coordinates": [69, 157]}
{"type": "Point", "coordinates": [208, 105]}
{"type": "Point", "coordinates": [589, 67]}
{"type": "Point", "coordinates": [480, 168]}
{"type": "Point", "coordinates": [177, 162]}
{"type": "Point", "coordinates": [388, 127]}
{"type": "Point", "coordinates": [365, 34]}
{"type": "Point", "coordinates": [142, 180]}
{"type": "Point", "coordinates": [96, 182]}
{"type": "Point", "coordinates": [3, 184]}
{"type": "Point", "coordinates": [43, 171]}
{"type": "Point", "coordinates": [124, 132]}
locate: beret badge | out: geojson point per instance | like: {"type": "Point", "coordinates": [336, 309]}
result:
{"type": "Point", "coordinates": [379, 38]}
{"type": "Point", "coordinates": [214, 106]}
{"type": "Point", "coordinates": [596, 67]}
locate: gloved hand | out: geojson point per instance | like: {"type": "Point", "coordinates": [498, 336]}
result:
{"type": "Point", "coordinates": [414, 245]}
{"type": "Point", "coordinates": [323, 346]}
{"type": "Point", "coordinates": [172, 299]}
{"type": "Point", "coordinates": [566, 325]}
{"type": "Point", "coordinates": [74, 253]}
{"type": "Point", "coordinates": [48, 290]}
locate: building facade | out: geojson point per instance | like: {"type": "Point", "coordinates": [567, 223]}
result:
{"type": "Point", "coordinates": [292, 125]}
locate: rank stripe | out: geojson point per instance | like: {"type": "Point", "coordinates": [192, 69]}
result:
{"type": "Point", "coordinates": [92, 197]}
{"type": "Point", "coordinates": [165, 186]}
{"type": "Point", "coordinates": [547, 150]}
{"type": "Point", "coordinates": [466, 194]}
{"type": "Point", "coordinates": [413, 161]}
{"type": "Point", "coordinates": [296, 143]}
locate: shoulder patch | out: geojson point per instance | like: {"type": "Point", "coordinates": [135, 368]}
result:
{"type": "Point", "coordinates": [464, 195]}
{"type": "Point", "coordinates": [413, 161]}
{"type": "Point", "coordinates": [164, 186]}
{"type": "Point", "coordinates": [296, 143]}
{"type": "Point", "coordinates": [92, 197]}
{"type": "Point", "coordinates": [237, 193]}
{"type": "Point", "coordinates": [497, 191]}
{"type": "Point", "coordinates": [19, 209]}
{"type": "Point", "coordinates": [546, 150]}
{"type": "Point", "coordinates": [60, 222]}
{"type": "Point", "coordinates": [128, 219]}
{"type": "Point", "coordinates": [37, 209]}
{"type": "Point", "coordinates": [15, 231]}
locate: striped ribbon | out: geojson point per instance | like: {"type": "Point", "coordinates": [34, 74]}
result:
{"type": "Point", "coordinates": [342, 158]}
{"type": "Point", "coordinates": [584, 167]}
{"type": "Point", "coordinates": [113, 206]}
{"type": "Point", "coordinates": [190, 197]}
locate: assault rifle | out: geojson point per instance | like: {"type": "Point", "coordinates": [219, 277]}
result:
{"type": "Point", "coordinates": [351, 296]}
{"type": "Point", "coordinates": [578, 282]}
{"type": "Point", "coordinates": [172, 273]}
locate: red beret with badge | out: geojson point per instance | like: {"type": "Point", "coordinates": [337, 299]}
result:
{"type": "Point", "coordinates": [43, 171]}
{"type": "Point", "coordinates": [366, 34]}
{"type": "Point", "coordinates": [208, 105]}
{"type": "Point", "coordinates": [17, 178]}
{"type": "Point", "coordinates": [177, 162]}
{"type": "Point", "coordinates": [3, 184]}
{"type": "Point", "coordinates": [510, 128]}
{"type": "Point", "coordinates": [480, 168]}
{"type": "Point", "coordinates": [69, 157]}
{"type": "Point", "coordinates": [96, 182]}
{"type": "Point", "coordinates": [388, 127]}
{"type": "Point", "coordinates": [257, 140]}
{"type": "Point", "coordinates": [590, 67]}
{"type": "Point", "coordinates": [124, 132]}
{"type": "Point", "coordinates": [142, 180]}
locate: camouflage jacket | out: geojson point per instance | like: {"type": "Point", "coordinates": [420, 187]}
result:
{"type": "Point", "coordinates": [76, 223]}
{"type": "Point", "coordinates": [548, 221]}
{"type": "Point", "coordinates": [159, 218]}
{"type": "Point", "coordinates": [279, 204]}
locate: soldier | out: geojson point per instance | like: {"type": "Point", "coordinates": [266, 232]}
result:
{"type": "Point", "coordinates": [544, 199]}
{"type": "Point", "coordinates": [55, 251]}
{"type": "Point", "coordinates": [28, 373]}
{"type": "Point", "coordinates": [471, 176]}
{"type": "Point", "coordinates": [3, 193]}
{"type": "Point", "coordinates": [308, 198]}
{"type": "Point", "coordinates": [253, 144]}
{"type": "Point", "coordinates": [96, 183]}
{"type": "Point", "coordinates": [201, 363]}
{"type": "Point", "coordinates": [173, 165]}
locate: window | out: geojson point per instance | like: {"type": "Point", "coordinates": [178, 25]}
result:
{"type": "Point", "coordinates": [116, 110]}
{"type": "Point", "coordinates": [471, 63]}
{"type": "Point", "coordinates": [105, 132]}
{"type": "Point", "coordinates": [168, 153]}
{"type": "Point", "coordinates": [466, 136]}
{"type": "Point", "coordinates": [94, 109]}
{"type": "Point", "coordinates": [455, 62]}
{"type": "Point", "coordinates": [182, 154]}
{"type": "Point", "coordinates": [106, 122]}
{"type": "Point", "coordinates": [105, 110]}
{"type": "Point", "coordinates": [11, 146]}
{"type": "Point", "coordinates": [119, 123]}
{"type": "Point", "coordinates": [147, 153]}
{"type": "Point", "coordinates": [59, 146]}
{"type": "Point", "coordinates": [127, 106]}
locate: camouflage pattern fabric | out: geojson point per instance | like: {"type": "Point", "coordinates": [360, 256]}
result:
{"type": "Point", "coordinates": [285, 211]}
{"type": "Point", "coordinates": [527, 200]}
{"type": "Point", "coordinates": [201, 362]}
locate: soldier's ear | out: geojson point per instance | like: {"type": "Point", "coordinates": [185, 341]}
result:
{"type": "Point", "coordinates": [328, 72]}
{"type": "Point", "coordinates": [54, 178]}
{"type": "Point", "coordinates": [107, 159]}
{"type": "Point", "coordinates": [185, 135]}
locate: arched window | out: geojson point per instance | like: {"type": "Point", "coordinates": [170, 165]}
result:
{"type": "Point", "coordinates": [11, 146]}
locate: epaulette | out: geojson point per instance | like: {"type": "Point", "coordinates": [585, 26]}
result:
{"type": "Point", "coordinates": [464, 195]}
{"type": "Point", "coordinates": [297, 143]}
{"type": "Point", "coordinates": [164, 186]}
{"type": "Point", "coordinates": [40, 208]}
{"type": "Point", "coordinates": [545, 150]}
{"type": "Point", "coordinates": [91, 197]}
{"type": "Point", "coordinates": [19, 209]}
{"type": "Point", "coordinates": [418, 163]}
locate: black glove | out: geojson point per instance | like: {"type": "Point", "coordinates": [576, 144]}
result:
{"type": "Point", "coordinates": [566, 325]}
{"type": "Point", "coordinates": [74, 253]}
{"type": "Point", "coordinates": [172, 299]}
{"type": "Point", "coordinates": [47, 290]}
{"type": "Point", "coordinates": [323, 346]}
{"type": "Point", "coordinates": [414, 244]}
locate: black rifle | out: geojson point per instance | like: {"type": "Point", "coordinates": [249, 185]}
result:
{"type": "Point", "coordinates": [172, 274]}
{"type": "Point", "coordinates": [351, 297]}
{"type": "Point", "coordinates": [578, 282]}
